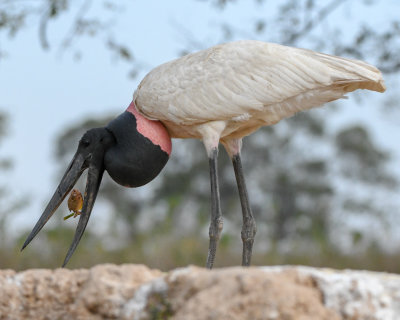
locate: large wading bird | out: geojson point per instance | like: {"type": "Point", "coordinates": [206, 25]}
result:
{"type": "Point", "coordinates": [218, 95]}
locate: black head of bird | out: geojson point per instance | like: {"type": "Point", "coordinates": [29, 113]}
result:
{"type": "Point", "coordinates": [129, 156]}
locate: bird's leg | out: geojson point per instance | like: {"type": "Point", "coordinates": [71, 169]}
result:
{"type": "Point", "coordinates": [249, 224]}
{"type": "Point", "coordinates": [211, 133]}
{"type": "Point", "coordinates": [216, 216]}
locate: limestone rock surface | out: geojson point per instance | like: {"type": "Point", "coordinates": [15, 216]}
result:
{"type": "Point", "coordinates": [137, 292]}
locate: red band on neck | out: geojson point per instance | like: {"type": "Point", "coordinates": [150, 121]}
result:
{"type": "Point", "coordinates": [152, 129]}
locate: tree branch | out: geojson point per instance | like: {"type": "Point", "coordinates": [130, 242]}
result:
{"type": "Point", "coordinates": [312, 23]}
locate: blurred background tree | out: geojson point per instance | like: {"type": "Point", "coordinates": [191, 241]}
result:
{"type": "Point", "coordinates": [314, 188]}
{"type": "Point", "coordinates": [9, 204]}
{"type": "Point", "coordinates": [5, 165]}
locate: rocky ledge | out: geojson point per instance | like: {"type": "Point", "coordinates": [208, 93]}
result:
{"type": "Point", "coordinates": [137, 292]}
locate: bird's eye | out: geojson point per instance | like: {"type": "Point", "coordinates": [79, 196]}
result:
{"type": "Point", "coordinates": [85, 142]}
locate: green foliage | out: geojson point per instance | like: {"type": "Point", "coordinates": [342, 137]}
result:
{"type": "Point", "coordinates": [155, 252]}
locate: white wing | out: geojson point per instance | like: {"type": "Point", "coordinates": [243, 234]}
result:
{"type": "Point", "coordinates": [242, 79]}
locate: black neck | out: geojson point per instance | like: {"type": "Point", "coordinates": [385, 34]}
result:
{"type": "Point", "coordinates": [134, 160]}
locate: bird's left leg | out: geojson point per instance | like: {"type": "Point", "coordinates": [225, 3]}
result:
{"type": "Point", "coordinates": [211, 135]}
{"type": "Point", "coordinates": [216, 223]}
{"type": "Point", "coordinates": [249, 229]}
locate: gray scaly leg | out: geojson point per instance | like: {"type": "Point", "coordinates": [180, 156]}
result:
{"type": "Point", "coordinates": [216, 216]}
{"type": "Point", "coordinates": [249, 225]}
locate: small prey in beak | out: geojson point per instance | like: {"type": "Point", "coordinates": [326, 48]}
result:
{"type": "Point", "coordinates": [75, 204]}
{"type": "Point", "coordinates": [90, 155]}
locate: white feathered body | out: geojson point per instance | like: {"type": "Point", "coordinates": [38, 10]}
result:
{"type": "Point", "coordinates": [235, 88]}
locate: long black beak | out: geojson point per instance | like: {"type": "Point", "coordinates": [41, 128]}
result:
{"type": "Point", "coordinates": [90, 154]}
{"type": "Point", "coordinates": [74, 171]}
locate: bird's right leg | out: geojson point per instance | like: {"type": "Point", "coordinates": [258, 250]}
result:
{"type": "Point", "coordinates": [211, 134]}
{"type": "Point", "coordinates": [249, 228]}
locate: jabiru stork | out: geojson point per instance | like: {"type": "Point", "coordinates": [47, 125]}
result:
{"type": "Point", "coordinates": [218, 95]}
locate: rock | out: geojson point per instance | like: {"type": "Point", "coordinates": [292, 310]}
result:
{"type": "Point", "coordinates": [137, 292]}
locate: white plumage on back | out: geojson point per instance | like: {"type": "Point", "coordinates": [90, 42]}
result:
{"type": "Point", "coordinates": [228, 91]}
{"type": "Point", "coordinates": [244, 85]}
